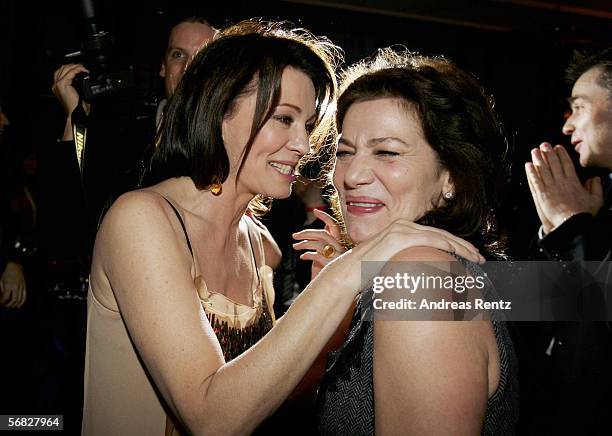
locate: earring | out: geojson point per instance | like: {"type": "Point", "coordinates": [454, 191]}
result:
{"type": "Point", "coordinates": [216, 188]}
{"type": "Point", "coordinates": [449, 195]}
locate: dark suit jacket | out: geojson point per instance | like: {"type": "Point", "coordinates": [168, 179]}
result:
{"type": "Point", "coordinates": [570, 383]}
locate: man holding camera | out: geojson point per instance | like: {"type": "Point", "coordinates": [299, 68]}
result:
{"type": "Point", "coordinates": [184, 41]}
{"type": "Point", "coordinates": [82, 186]}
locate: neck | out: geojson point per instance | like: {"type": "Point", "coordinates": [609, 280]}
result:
{"type": "Point", "coordinates": [222, 212]}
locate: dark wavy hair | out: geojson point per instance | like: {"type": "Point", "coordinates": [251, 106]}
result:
{"type": "Point", "coordinates": [458, 122]}
{"type": "Point", "coordinates": [247, 57]}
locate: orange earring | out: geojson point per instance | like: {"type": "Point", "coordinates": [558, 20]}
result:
{"type": "Point", "coordinates": [215, 189]}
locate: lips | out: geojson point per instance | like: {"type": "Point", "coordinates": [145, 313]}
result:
{"type": "Point", "coordinates": [577, 145]}
{"type": "Point", "coordinates": [363, 205]}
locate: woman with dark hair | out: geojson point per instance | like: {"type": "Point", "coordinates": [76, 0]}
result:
{"type": "Point", "coordinates": [180, 295]}
{"type": "Point", "coordinates": [419, 141]}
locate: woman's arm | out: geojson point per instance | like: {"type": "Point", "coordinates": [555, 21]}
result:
{"type": "Point", "coordinates": [149, 269]}
{"type": "Point", "coordinates": [430, 377]}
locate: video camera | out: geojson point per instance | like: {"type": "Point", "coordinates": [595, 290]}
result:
{"type": "Point", "coordinates": [109, 77]}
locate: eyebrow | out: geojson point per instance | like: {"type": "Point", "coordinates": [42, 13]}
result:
{"type": "Point", "coordinates": [570, 100]}
{"type": "Point", "coordinates": [296, 108]}
{"type": "Point", "coordinates": [174, 47]}
{"type": "Point", "coordinates": [374, 141]}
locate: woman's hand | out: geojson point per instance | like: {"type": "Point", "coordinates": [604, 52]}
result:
{"type": "Point", "coordinates": [316, 240]}
{"type": "Point", "coordinates": [402, 234]}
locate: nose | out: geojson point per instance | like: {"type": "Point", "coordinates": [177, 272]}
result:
{"type": "Point", "coordinates": [358, 172]}
{"type": "Point", "coordinates": [300, 144]}
{"type": "Point", "coordinates": [568, 128]}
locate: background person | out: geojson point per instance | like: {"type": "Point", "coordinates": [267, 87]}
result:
{"type": "Point", "coordinates": [573, 362]}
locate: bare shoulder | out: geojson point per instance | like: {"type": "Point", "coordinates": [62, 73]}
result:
{"type": "Point", "coordinates": [135, 205]}
{"type": "Point", "coordinates": [135, 212]}
{"type": "Point", "coordinates": [432, 335]}
{"type": "Point", "coordinates": [131, 222]}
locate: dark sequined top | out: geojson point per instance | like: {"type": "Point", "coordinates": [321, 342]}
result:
{"type": "Point", "coordinates": [234, 340]}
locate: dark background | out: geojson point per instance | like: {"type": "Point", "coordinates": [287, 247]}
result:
{"type": "Point", "coordinates": [518, 48]}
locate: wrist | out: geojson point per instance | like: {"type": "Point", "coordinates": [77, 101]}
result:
{"type": "Point", "coordinates": [15, 266]}
{"type": "Point", "coordinates": [67, 135]}
{"type": "Point", "coordinates": [560, 219]}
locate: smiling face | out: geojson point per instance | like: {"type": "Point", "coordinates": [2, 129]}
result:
{"type": "Point", "coordinates": [185, 40]}
{"type": "Point", "coordinates": [590, 124]}
{"type": "Point", "coordinates": [385, 169]}
{"type": "Point", "coordinates": [284, 138]}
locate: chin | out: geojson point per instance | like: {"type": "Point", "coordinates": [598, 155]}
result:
{"type": "Point", "coordinates": [585, 160]}
{"type": "Point", "coordinates": [359, 234]}
{"type": "Point", "coordinates": [279, 194]}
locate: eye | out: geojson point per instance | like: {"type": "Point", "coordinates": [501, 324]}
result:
{"type": "Point", "coordinates": [285, 119]}
{"type": "Point", "coordinates": [342, 153]}
{"type": "Point", "coordinates": [386, 153]}
{"type": "Point", "coordinates": [176, 54]}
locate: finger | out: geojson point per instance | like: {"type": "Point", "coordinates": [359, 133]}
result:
{"type": "Point", "coordinates": [5, 295]}
{"type": "Point", "coordinates": [531, 175]}
{"type": "Point", "coordinates": [443, 240]}
{"type": "Point", "coordinates": [452, 246]}
{"type": "Point", "coordinates": [319, 247]}
{"type": "Point", "coordinates": [69, 74]}
{"type": "Point", "coordinates": [536, 184]}
{"type": "Point", "coordinates": [541, 166]}
{"type": "Point", "coordinates": [60, 71]}
{"type": "Point", "coordinates": [463, 251]}
{"type": "Point", "coordinates": [544, 147]}
{"type": "Point", "coordinates": [464, 248]}
{"type": "Point", "coordinates": [10, 303]}
{"type": "Point", "coordinates": [455, 239]}
{"type": "Point", "coordinates": [313, 234]}
{"type": "Point", "coordinates": [536, 201]}
{"type": "Point", "coordinates": [315, 257]}
{"type": "Point", "coordinates": [72, 72]}
{"type": "Point", "coordinates": [595, 187]}
{"type": "Point", "coordinates": [334, 227]}
{"type": "Point", "coordinates": [566, 161]}
{"type": "Point", "coordinates": [22, 297]}
{"type": "Point", "coordinates": [552, 158]}
{"type": "Point", "coordinates": [322, 237]}
{"type": "Point", "coordinates": [311, 245]}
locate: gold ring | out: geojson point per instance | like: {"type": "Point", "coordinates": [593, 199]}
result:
{"type": "Point", "coordinates": [328, 251]}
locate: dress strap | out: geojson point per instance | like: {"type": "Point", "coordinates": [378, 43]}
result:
{"type": "Point", "coordinates": [178, 215]}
